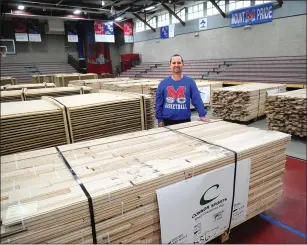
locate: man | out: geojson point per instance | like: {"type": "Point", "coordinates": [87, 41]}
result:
{"type": "Point", "coordinates": [174, 95]}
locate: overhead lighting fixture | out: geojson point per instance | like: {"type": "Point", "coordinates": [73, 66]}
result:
{"type": "Point", "coordinates": [102, 3]}
{"type": "Point", "coordinates": [77, 11]}
{"type": "Point", "coordinates": [119, 18]}
{"type": "Point", "coordinates": [150, 8]}
{"type": "Point", "coordinates": [21, 7]}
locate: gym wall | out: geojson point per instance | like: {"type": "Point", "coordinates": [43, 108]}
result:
{"type": "Point", "coordinates": [285, 36]}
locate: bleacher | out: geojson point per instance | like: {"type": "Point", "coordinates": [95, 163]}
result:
{"type": "Point", "coordinates": [284, 69]}
{"type": "Point", "coordinates": [23, 71]}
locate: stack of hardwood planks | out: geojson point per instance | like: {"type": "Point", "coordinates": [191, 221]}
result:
{"type": "Point", "coordinates": [7, 80]}
{"type": "Point", "coordinates": [29, 125]}
{"type": "Point", "coordinates": [62, 80]}
{"type": "Point", "coordinates": [34, 94]}
{"type": "Point", "coordinates": [11, 95]}
{"type": "Point", "coordinates": [46, 78]}
{"type": "Point", "coordinates": [243, 102]}
{"type": "Point", "coordinates": [287, 112]}
{"type": "Point", "coordinates": [96, 84]}
{"type": "Point", "coordinates": [42, 203]}
{"type": "Point", "coordinates": [27, 85]}
{"type": "Point", "coordinates": [134, 86]}
{"type": "Point", "coordinates": [103, 114]}
{"type": "Point", "coordinates": [80, 117]}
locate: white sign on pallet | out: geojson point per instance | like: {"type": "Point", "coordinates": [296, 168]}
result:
{"type": "Point", "coordinates": [198, 209]}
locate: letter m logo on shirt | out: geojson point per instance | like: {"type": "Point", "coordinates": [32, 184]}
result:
{"type": "Point", "coordinates": [177, 95]}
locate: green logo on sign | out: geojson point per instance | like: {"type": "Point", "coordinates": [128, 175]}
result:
{"type": "Point", "coordinates": [203, 200]}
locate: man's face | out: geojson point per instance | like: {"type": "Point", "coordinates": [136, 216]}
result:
{"type": "Point", "coordinates": [176, 64]}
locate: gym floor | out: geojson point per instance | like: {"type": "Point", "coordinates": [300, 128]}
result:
{"type": "Point", "coordinates": [286, 221]}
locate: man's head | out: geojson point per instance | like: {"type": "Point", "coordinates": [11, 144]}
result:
{"type": "Point", "coordinates": [176, 64]}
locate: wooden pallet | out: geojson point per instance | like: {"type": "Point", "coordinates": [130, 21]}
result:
{"type": "Point", "coordinates": [122, 173]}
{"type": "Point", "coordinates": [27, 86]}
{"type": "Point", "coordinates": [243, 102]}
{"type": "Point", "coordinates": [7, 81]}
{"type": "Point", "coordinates": [286, 112]}
{"type": "Point", "coordinates": [62, 80]}
{"type": "Point", "coordinates": [45, 78]}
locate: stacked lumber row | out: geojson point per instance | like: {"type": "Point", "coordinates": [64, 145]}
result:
{"type": "Point", "coordinates": [205, 88]}
{"type": "Point", "coordinates": [287, 112]}
{"type": "Point", "coordinates": [96, 84]}
{"type": "Point", "coordinates": [36, 124]}
{"type": "Point", "coordinates": [46, 78]}
{"type": "Point", "coordinates": [7, 80]}
{"type": "Point", "coordinates": [133, 86]}
{"type": "Point", "coordinates": [28, 86]}
{"type": "Point", "coordinates": [103, 114]}
{"type": "Point", "coordinates": [121, 174]}
{"type": "Point", "coordinates": [35, 94]}
{"type": "Point", "coordinates": [62, 80]}
{"type": "Point", "coordinates": [243, 102]}
{"type": "Point", "coordinates": [29, 125]}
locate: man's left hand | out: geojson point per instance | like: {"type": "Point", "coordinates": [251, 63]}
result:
{"type": "Point", "coordinates": [204, 119]}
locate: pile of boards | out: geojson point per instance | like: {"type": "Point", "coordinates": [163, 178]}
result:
{"type": "Point", "coordinates": [26, 125]}
{"type": "Point", "coordinates": [134, 86]}
{"type": "Point", "coordinates": [96, 84]}
{"type": "Point", "coordinates": [62, 80]}
{"type": "Point", "coordinates": [27, 85]}
{"type": "Point", "coordinates": [45, 78]}
{"type": "Point", "coordinates": [35, 94]}
{"type": "Point", "coordinates": [29, 125]}
{"type": "Point", "coordinates": [41, 202]}
{"type": "Point", "coordinates": [287, 112]}
{"type": "Point", "coordinates": [243, 102]}
{"type": "Point", "coordinates": [7, 80]}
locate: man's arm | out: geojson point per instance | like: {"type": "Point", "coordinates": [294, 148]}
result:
{"type": "Point", "coordinates": [197, 102]}
{"type": "Point", "coordinates": [159, 103]}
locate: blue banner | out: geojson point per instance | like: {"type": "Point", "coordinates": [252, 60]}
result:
{"type": "Point", "coordinates": [164, 32]}
{"type": "Point", "coordinates": [108, 28]}
{"type": "Point", "coordinates": [252, 15]}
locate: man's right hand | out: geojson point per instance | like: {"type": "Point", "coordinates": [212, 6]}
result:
{"type": "Point", "coordinates": [161, 124]}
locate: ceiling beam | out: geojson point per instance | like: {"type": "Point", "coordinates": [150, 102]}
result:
{"type": "Point", "coordinates": [173, 13]}
{"type": "Point", "coordinates": [218, 8]}
{"type": "Point", "coordinates": [280, 2]}
{"type": "Point", "coordinates": [141, 19]}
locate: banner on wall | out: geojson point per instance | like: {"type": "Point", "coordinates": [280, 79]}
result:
{"type": "Point", "coordinates": [128, 31]}
{"type": "Point", "coordinates": [71, 31]}
{"type": "Point", "coordinates": [104, 31]}
{"type": "Point", "coordinates": [20, 27]}
{"type": "Point", "coordinates": [34, 31]}
{"type": "Point", "coordinates": [252, 15]}
{"type": "Point", "coordinates": [164, 32]}
{"type": "Point", "coordinates": [171, 30]}
{"type": "Point", "coordinates": [203, 24]}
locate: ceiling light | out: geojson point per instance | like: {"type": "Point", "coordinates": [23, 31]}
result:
{"type": "Point", "coordinates": [21, 7]}
{"type": "Point", "coordinates": [150, 8]}
{"type": "Point", "coordinates": [102, 3]}
{"type": "Point", "coordinates": [119, 18]}
{"type": "Point", "coordinates": [77, 11]}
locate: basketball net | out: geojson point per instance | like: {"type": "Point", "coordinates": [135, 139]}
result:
{"type": "Point", "coordinates": [3, 53]}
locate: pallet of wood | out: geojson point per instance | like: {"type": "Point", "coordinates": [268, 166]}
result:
{"type": "Point", "coordinates": [28, 125]}
{"type": "Point", "coordinates": [97, 115]}
{"type": "Point", "coordinates": [62, 80]}
{"type": "Point", "coordinates": [287, 112]}
{"type": "Point", "coordinates": [243, 102]}
{"type": "Point", "coordinates": [96, 84]}
{"type": "Point", "coordinates": [45, 78]}
{"type": "Point", "coordinates": [11, 95]}
{"type": "Point", "coordinates": [7, 80]}
{"type": "Point", "coordinates": [41, 202]}
{"type": "Point", "coordinates": [36, 94]}
{"type": "Point", "coordinates": [27, 86]}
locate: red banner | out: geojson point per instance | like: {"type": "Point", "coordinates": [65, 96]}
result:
{"type": "Point", "coordinates": [99, 27]}
{"type": "Point", "coordinates": [128, 31]}
{"type": "Point", "coordinates": [20, 27]}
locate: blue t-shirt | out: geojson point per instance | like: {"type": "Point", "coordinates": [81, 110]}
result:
{"type": "Point", "coordinates": [173, 99]}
